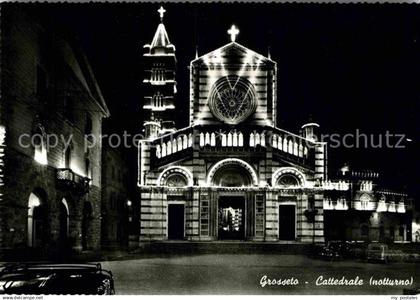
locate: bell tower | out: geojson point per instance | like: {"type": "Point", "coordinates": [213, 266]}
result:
{"type": "Point", "coordinates": [159, 82]}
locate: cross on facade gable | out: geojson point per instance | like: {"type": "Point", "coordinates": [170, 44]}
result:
{"type": "Point", "coordinates": [161, 12]}
{"type": "Point", "coordinates": [233, 31]}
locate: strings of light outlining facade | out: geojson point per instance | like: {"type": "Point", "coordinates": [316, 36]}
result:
{"type": "Point", "coordinates": [232, 173]}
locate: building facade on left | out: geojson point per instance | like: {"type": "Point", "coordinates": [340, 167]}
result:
{"type": "Point", "coordinates": [50, 117]}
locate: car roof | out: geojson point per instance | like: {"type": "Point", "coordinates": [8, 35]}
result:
{"type": "Point", "coordinates": [13, 267]}
{"type": "Point", "coordinates": [21, 268]}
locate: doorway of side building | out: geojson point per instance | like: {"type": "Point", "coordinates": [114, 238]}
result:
{"type": "Point", "coordinates": [287, 222]}
{"type": "Point", "coordinates": [37, 220]}
{"type": "Point", "coordinates": [231, 218]}
{"type": "Point", "coordinates": [176, 221]}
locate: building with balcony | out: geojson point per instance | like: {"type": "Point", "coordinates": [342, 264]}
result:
{"type": "Point", "coordinates": [358, 208]}
{"type": "Point", "coordinates": [120, 210]}
{"type": "Point", "coordinates": [51, 112]}
{"type": "Point", "coordinates": [232, 173]}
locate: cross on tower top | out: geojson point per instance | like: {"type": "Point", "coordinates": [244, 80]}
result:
{"type": "Point", "coordinates": [233, 31]}
{"type": "Point", "coordinates": [161, 12]}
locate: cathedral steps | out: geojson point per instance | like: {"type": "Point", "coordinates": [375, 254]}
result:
{"type": "Point", "coordinates": [244, 247]}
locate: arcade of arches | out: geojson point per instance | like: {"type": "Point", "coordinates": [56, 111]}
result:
{"type": "Point", "coordinates": [63, 223]}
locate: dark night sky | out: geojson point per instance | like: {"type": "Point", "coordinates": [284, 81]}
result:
{"type": "Point", "coordinates": [346, 66]}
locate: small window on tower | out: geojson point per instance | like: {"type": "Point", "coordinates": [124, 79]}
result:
{"type": "Point", "coordinates": [364, 202]}
{"type": "Point", "coordinates": [158, 73]}
{"type": "Point", "coordinates": [158, 100]}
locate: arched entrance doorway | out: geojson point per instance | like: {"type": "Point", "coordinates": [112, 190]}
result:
{"type": "Point", "coordinates": [235, 204]}
{"type": "Point", "coordinates": [37, 219]}
{"type": "Point", "coordinates": [176, 177]}
{"type": "Point", "coordinates": [231, 217]}
{"type": "Point", "coordinates": [289, 178]}
{"type": "Point", "coordinates": [87, 217]}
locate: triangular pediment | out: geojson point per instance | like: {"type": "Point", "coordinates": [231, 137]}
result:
{"type": "Point", "coordinates": [233, 53]}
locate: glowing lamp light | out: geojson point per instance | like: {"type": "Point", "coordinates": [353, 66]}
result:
{"type": "Point", "coordinates": [129, 203]}
{"type": "Point", "coordinates": [41, 156]}
{"type": "Point", "coordinates": [34, 201]}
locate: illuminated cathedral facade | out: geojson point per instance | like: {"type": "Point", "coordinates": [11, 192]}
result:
{"type": "Point", "coordinates": [232, 174]}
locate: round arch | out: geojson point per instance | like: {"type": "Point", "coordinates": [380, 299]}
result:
{"type": "Point", "coordinates": [232, 162]}
{"type": "Point", "coordinates": [300, 177]}
{"type": "Point", "coordinates": [37, 218]}
{"type": "Point", "coordinates": [366, 197]}
{"type": "Point", "coordinates": [173, 171]}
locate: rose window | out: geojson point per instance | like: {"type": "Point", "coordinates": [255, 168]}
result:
{"type": "Point", "coordinates": [288, 180]}
{"type": "Point", "coordinates": [232, 99]}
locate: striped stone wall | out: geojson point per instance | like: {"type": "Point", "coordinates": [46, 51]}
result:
{"type": "Point", "coordinates": [208, 77]}
{"type": "Point", "coordinates": [313, 231]}
{"type": "Point", "coordinates": [201, 214]}
{"type": "Point", "coordinates": [233, 59]}
{"type": "Point", "coordinates": [201, 201]}
{"type": "Point", "coordinates": [208, 147]}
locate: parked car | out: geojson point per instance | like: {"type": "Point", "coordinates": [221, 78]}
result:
{"type": "Point", "coordinates": [328, 253]}
{"type": "Point", "coordinates": [334, 250]}
{"type": "Point", "coordinates": [377, 252]}
{"type": "Point", "coordinates": [56, 279]}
